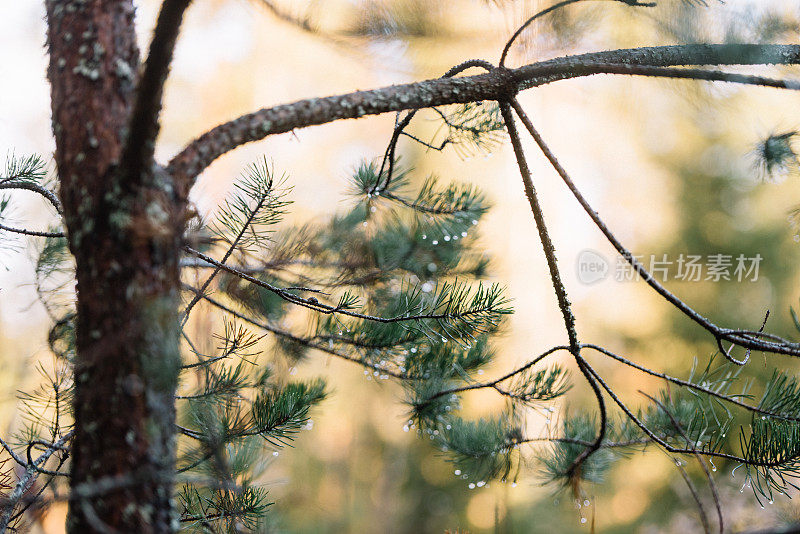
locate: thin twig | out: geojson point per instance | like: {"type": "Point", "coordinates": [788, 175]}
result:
{"type": "Point", "coordinates": [14, 456]}
{"type": "Point", "coordinates": [304, 341]}
{"type": "Point", "coordinates": [550, 9]}
{"type": "Point", "coordinates": [585, 443]}
{"type": "Point", "coordinates": [32, 233]}
{"type": "Point", "coordinates": [747, 342]}
{"type": "Point", "coordinates": [558, 285]}
{"type": "Point", "coordinates": [389, 156]}
{"type": "Point", "coordinates": [231, 248]}
{"type": "Point", "coordinates": [315, 305]}
{"type": "Point", "coordinates": [703, 465]}
{"type": "Point", "coordinates": [677, 450]}
{"type": "Point", "coordinates": [696, 496]}
{"type": "Point", "coordinates": [493, 383]}
{"type": "Point", "coordinates": [690, 385]}
{"type": "Point", "coordinates": [27, 478]}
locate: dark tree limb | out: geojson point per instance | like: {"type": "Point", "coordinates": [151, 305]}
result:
{"type": "Point", "coordinates": [27, 232]}
{"type": "Point", "coordinates": [144, 125]}
{"type": "Point", "coordinates": [498, 84]}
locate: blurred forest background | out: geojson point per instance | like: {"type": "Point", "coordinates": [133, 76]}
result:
{"type": "Point", "coordinates": [669, 164]}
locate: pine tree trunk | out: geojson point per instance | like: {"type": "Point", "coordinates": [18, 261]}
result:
{"type": "Point", "coordinates": [124, 234]}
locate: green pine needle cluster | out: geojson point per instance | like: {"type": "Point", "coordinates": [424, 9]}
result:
{"type": "Point", "coordinates": [481, 450]}
{"type": "Point", "coordinates": [776, 154]}
{"type": "Point", "coordinates": [256, 204]}
{"type": "Point", "coordinates": [474, 126]}
{"type": "Point", "coordinates": [31, 168]}
{"type": "Point", "coordinates": [557, 459]}
{"type": "Point", "coordinates": [772, 451]}
{"type": "Point", "coordinates": [534, 387]}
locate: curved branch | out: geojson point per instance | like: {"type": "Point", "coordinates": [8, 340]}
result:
{"type": "Point", "coordinates": [527, 23]}
{"type": "Point", "coordinates": [35, 188]}
{"type": "Point", "coordinates": [677, 450]}
{"type": "Point", "coordinates": [389, 156]}
{"type": "Point", "coordinates": [201, 152]}
{"type": "Point", "coordinates": [303, 24]}
{"type": "Point", "coordinates": [14, 456]}
{"type": "Point", "coordinates": [550, 9]}
{"type": "Point", "coordinates": [32, 471]}
{"type": "Point", "coordinates": [667, 447]}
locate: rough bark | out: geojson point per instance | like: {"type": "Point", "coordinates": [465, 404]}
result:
{"type": "Point", "coordinates": [124, 236]}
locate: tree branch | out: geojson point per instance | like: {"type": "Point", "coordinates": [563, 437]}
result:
{"type": "Point", "coordinates": [144, 124]}
{"type": "Point", "coordinates": [493, 383]}
{"type": "Point", "coordinates": [677, 450]}
{"type": "Point", "coordinates": [389, 156]}
{"type": "Point", "coordinates": [33, 233]}
{"type": "Point", "coordinates": [689, 74]}
{"type": "Point", "coordinates": [28, 477]}
{"type": "Point", "coordinates": [690, 385]}
{"type": "Point", "coordinates": [231, 248]}
{"type": "Point", "coordinates": [550, 9]}
{"type": "Point", "coordinates": [201, 152]}
{"type": "Point", "coordinates": [35, 188]}
{"type": "Point", "coordinates": [313, 304]}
